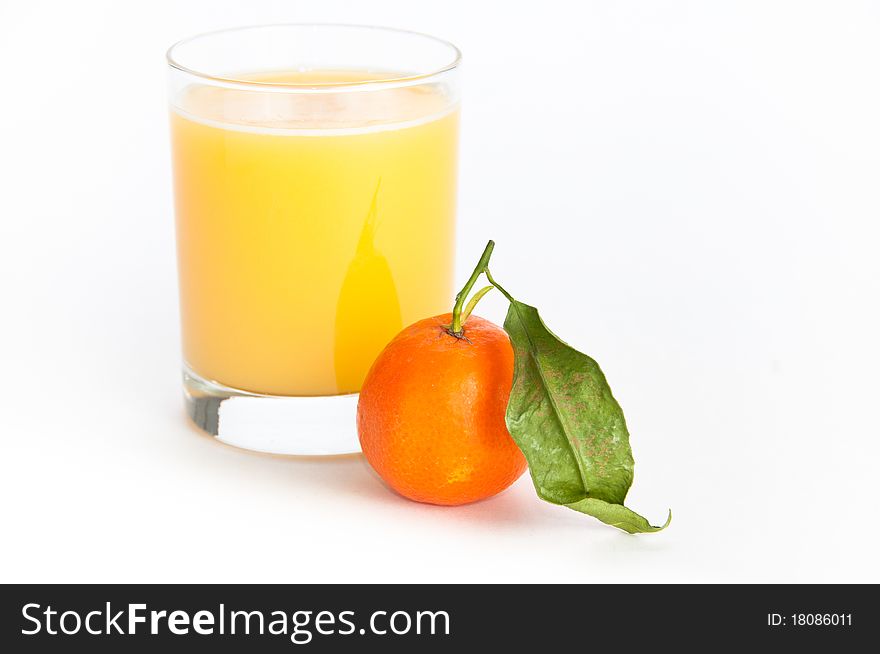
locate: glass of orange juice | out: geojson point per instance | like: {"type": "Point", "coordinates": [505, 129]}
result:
{"type": "Point", "coordinates": [315, 192]}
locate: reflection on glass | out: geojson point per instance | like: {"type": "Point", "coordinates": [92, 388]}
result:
{"type": "Point", "coordinates": [368, 311]}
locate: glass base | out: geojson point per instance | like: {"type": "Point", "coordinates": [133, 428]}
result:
{"type": "Point", "coordinates": [273, 424]}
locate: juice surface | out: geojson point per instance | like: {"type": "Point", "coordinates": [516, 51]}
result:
{"type": "Point", "coordinates": [311, 227]}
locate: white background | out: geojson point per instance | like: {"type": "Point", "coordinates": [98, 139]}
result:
{"type": "Point", "coordinates": [688, 191]}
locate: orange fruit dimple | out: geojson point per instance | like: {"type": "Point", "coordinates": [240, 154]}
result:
{"type": "Point", "coordinates": [431, 413]}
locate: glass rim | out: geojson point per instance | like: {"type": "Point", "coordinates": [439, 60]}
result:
{"type": "Point", "coordinates": [312, 87]}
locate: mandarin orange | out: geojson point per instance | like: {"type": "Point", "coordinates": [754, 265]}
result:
{"type": "Point", "coordinates": [431, 413]}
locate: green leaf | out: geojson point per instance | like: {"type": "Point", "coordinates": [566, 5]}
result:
{"type": "Point", "coordinates": [564, 418]}
{"type": "Point", "coordinates": [617, 515]}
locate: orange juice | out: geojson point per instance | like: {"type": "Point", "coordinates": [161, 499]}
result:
{"type": "Point", "coordinates": [311, 227]}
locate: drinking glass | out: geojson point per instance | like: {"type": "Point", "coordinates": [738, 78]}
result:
{"type": "Point", "coordinates": [315, 192]}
